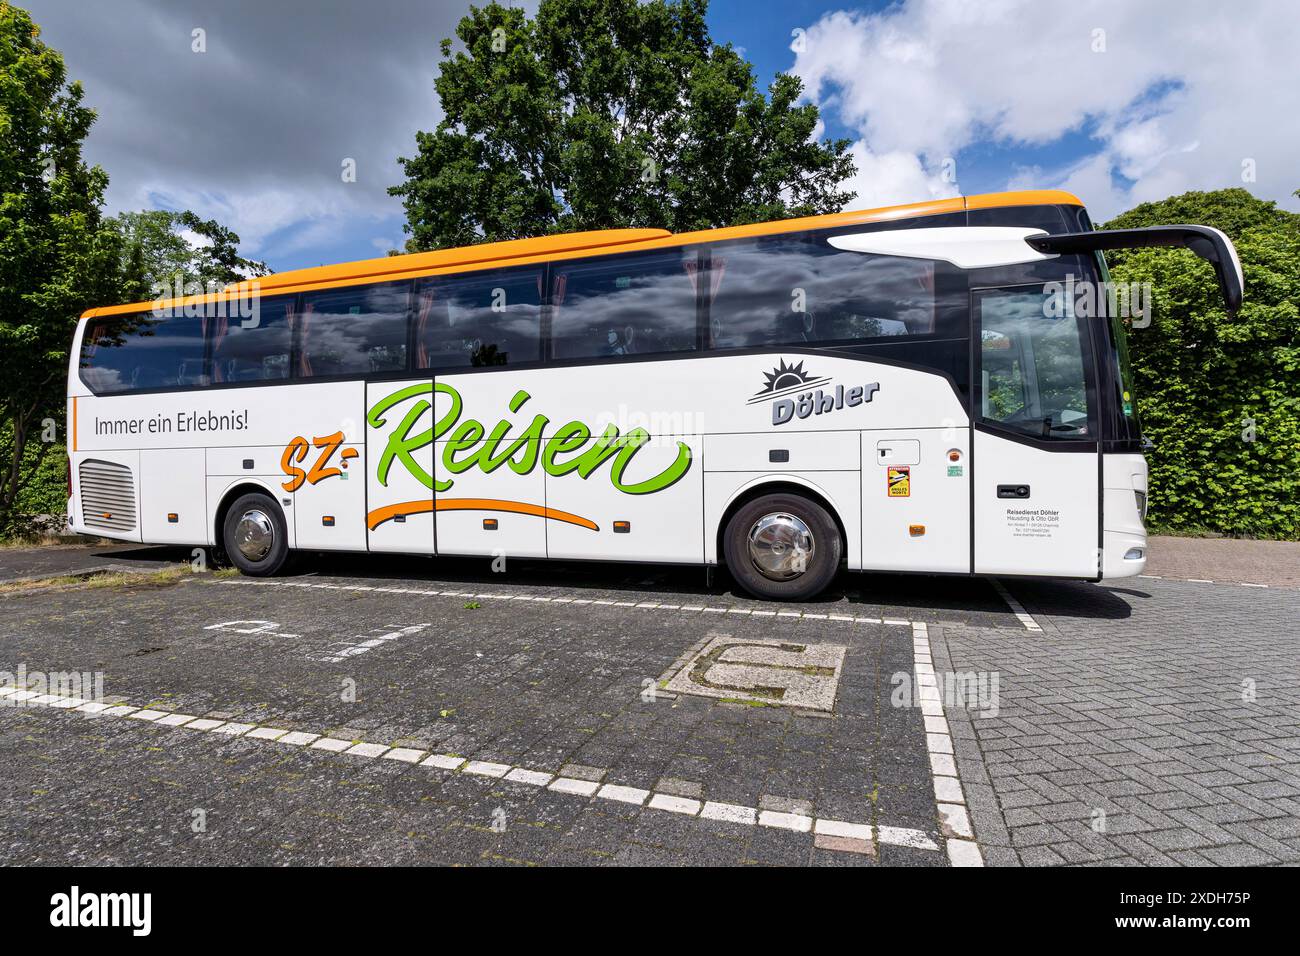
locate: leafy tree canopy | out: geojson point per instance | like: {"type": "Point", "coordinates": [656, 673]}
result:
{"type": "Point", "coordinates": [158, 251]}
{"type": "Point", "coordinates": [57, 255]}
{"type": "Point", "coordinates": [609, 113]}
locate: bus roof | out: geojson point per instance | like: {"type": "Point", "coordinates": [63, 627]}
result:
{"type": "Point", "coordinates": [569, 245]}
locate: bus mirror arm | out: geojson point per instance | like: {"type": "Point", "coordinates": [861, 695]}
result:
{"type": "Point", "coordinates": [1207, 242]}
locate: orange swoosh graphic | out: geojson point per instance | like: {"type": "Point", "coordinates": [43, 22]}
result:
{"type": "Point", "coordinates": [388, 512]}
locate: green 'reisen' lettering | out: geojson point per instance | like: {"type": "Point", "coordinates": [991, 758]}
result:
{"type": "Point", "coordinates": [467, 446]}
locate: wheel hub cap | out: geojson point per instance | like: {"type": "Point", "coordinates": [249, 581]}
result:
{"type": "Point", "coordinates": [254, 535]}
{"type": "Point", "coordinates": [781, 546]}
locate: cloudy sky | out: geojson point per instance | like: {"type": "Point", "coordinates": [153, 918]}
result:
{"type": "Point", "coordinates": [1119, 102]}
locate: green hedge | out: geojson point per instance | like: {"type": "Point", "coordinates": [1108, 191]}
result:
{"type": "Point", "coordinates": [1201, 376]}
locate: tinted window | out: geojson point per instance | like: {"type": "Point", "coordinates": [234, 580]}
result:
{"type": "Point", "coordinates": [354, 331]}
{"type": "Point", "coordinates": [1034, 357]}
{"type": "Point", "coordinates": [788, 290]}
{"type": "Point", "coordinates": [143, 351]}
{"type": "Point", "coordinates": [477, 320]}
{"type": "Point", "coordinates": [624, 305]}
{"type": "Point", "coordinates": [254, 348]}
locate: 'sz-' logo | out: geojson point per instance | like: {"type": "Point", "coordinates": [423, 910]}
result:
{"type": "Point", "coordinates": [297, 451]}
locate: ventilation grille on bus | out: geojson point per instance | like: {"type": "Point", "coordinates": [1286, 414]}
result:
{"type": "Point", "coordinates": [107, 495]}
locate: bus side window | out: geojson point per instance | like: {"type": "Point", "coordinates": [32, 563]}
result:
{"type": "Point", "coordinates": [793, 290]}
{"type": "Point", "coordinates": [358, 330]}
{"type": "Point", "coordinates": [631, 304]}
{"type": "Point", "coordinates": [1002, 390]}
{"type": "Point", "coordinates": [478, 320]}
{"type": "Point", "coordinates": [1034, 364]}
{"type": "Point", "coordinates": [255, 347]}
{"type": "Point", "coordinates": [143, 351]}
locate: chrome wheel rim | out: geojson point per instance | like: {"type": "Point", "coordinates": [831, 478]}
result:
{"type": "Point", "coordinates": [781, 546]}
{"type": "Point", "coordinates": [254, 535]}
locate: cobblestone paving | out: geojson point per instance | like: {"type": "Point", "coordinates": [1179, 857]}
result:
{"type": "Point", "coordinates": [1168, 735]}
{"type": "Point", "coordinates": [1275, 563]}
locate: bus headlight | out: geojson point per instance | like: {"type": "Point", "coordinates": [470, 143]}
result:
{"type": "Point", "coordinates": [1142, 504]}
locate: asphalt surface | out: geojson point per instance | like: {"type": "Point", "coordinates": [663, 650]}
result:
{"type": "Point", "coordinates": [552, 669]}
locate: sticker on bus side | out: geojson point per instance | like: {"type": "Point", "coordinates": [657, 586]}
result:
{"type": "Point", "coordinates": [899, 481]}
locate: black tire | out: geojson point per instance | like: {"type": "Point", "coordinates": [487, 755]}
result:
{"type": "Point", "coordinates": [255, 507]}
{"type": "Point", "coordinates": [820, 566]}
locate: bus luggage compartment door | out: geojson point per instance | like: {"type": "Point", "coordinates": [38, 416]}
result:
{"type": "Point", "coordinates": [916, 500]}
{"type": "Point", "coordinates": [656, 516]}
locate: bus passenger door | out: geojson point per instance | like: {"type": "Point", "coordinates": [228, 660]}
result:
{"type": "Point", "coordinates": [1035, 454]}
{"type": "Point", "coordinates": [399, 479]}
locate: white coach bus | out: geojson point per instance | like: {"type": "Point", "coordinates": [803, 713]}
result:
{"type": "Point", "coordinates": [933, 388]}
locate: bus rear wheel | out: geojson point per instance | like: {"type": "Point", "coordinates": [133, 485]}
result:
{"type": "Point", "coordinates": [783, 547]}
{"type": "Point", "coordinates": [254, 535]}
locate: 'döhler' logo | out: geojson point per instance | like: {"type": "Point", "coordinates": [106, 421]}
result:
{"type": "Point", "coordinates": [793, 393]}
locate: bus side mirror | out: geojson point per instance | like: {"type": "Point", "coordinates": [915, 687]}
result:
{"type": "Point", "coordinates": [1207, 242]}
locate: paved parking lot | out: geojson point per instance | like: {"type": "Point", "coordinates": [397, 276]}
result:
{"type": "Point", "coordinates": [420, 711]}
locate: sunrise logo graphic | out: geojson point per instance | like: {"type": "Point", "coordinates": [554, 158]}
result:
{"type": "Point", "coordinates": [785, 379]}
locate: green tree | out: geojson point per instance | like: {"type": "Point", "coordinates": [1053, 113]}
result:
{"type": "Point", "coordinates": [158, 253]}
{"type": "Point", "coordinates": [609, 113]}
{"type": "Point", "coordinates": [1219, 395]}
{"type": "Point", "coordinates": [57, 255]}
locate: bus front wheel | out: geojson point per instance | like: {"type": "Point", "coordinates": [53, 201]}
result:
{"type": "Point", "coordinates": [254, 535]}
{"type": "Point", "coordinates": [783, 547]}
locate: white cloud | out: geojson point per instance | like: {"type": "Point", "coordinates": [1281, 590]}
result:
{"type": "Point", "coordinates": [253, 132]}
{"type": "Point", "coordinates": [883, 178]}
{"type": "Point", "coordinates": [1181, 95]}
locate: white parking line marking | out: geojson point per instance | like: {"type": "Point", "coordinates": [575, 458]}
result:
{"type": "Point", "coordinates": [785, 821]}
{"type": "Point", "coordinates": [674, 804]}
{"type": "Point", "coordinates": [231, 728]}
{"type": "Point", "coordinates": [581, 788]}
{"type": "Point", "coordinates": [854, 831]}
{"type": "Point", "coordinates": [1016, 607]}
{"type": "Point", "coordinates": [346, 649]}
{"type": "Point", "coordinates": [950, 802]}
{"type": "Point", "coordinates": [342, 650]}
{"type": "Point", "coordinates": [901, 836]}
{"type": "Point", "coordinates": [266, 733]}
{"type": "Point", "coordinates": [297, 738]}
{"type": "Point", "coordinates": [176, 720]}
{"type": "Point", "coordinates": [534, 778]}
{"type": "Point", "coordinates": [633, 795]}
{"type": "Point", "coordinates": [729, 813]}
{"type": "Point", "coordinates": [405, 754]}
{"type": "Point", "coordinates": [485, 768]}
{"type": "Point", "coordinates": [366, 750]}
{"type": "Point", "coordinates": [443, 762]}
{"type": "Point", "coordinates": [669, 803]}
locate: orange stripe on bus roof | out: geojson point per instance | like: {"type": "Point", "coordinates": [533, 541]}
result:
{"type": "Point", "coordinates": [572, 245]}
